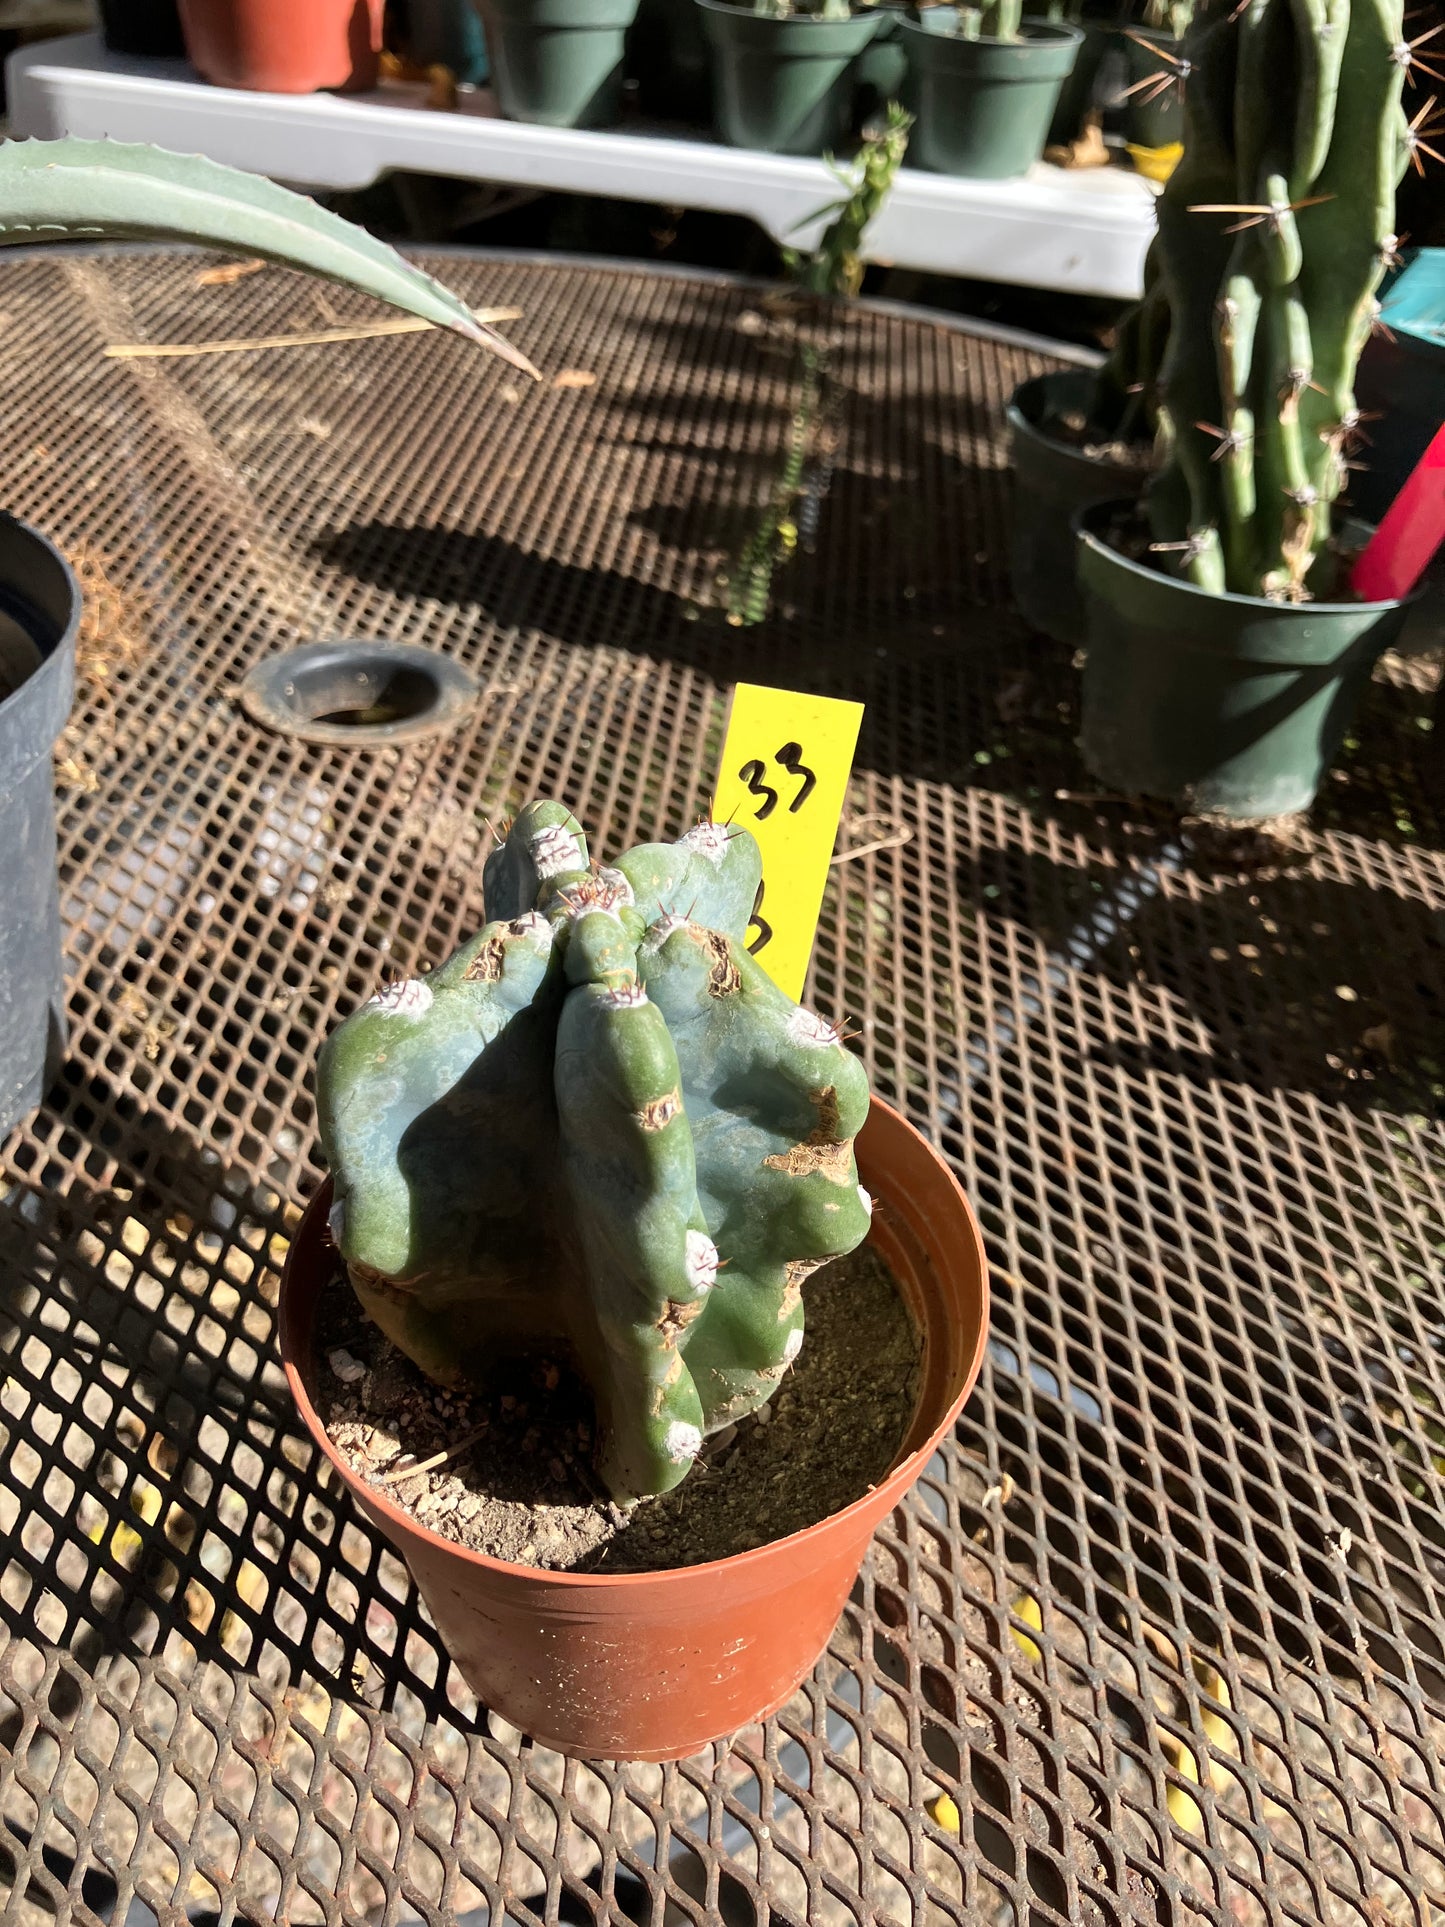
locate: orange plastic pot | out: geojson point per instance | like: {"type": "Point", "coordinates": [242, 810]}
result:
{"type": "Point", "coordinates": [284, 46]}
{"type": "Point", "coordinates": [653, 1666]}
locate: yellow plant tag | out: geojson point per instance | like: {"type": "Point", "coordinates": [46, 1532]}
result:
{"type": "Point", "coordinates": [784, 775]}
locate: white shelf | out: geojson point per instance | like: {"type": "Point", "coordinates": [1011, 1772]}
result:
{"type": "Point", "coordinates": [1084, 232]}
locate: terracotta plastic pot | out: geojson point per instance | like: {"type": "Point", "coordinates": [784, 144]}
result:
{"type": "Point", "coordinates": [654, 1666]}
{"type": "Point", "coordinates": [284, 46]}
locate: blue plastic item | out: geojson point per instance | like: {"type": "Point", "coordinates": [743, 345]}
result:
{"type": "Point", "coordinates": [1401, 381]}
{"type": "Point", "coordinates": [447, 33]}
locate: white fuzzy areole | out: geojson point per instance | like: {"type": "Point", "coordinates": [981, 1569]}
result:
{"type": "Point", "coordinates": [808, 1028]}
{"type": "Point", "coordinates": [792, 1347]}
{"type": "Point", "coordinates": [623, 996]}
{"type": "Point", "coordinates": [614, 881]}
{"type": "Point", "coordinates": [865, 1198]}
{"type": "Point", "coordinates": [336, 1220]}
{"type": "Point", "coordinates": [701, 1261]}
{"type": "Point", "coordinates": [533, 924]}
{"type": "Point", "coordinates": [709, 840]}
{"type": "Point", "coordinates": [683, 1441]}
{"type": "Point", "coordinates": [555, 850]}
{"type": "Point", "coordinates": [409, 997]}
{"type": "Point", "coordinates": [659, 932]}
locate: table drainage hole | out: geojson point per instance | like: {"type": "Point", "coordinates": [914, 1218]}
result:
{"type": "Point", "coordinates": [355, 692]}
{"type": "Point", "coordinates": [407, 694]}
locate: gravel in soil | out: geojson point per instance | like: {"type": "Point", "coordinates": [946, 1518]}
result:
{"type": "Point", "coordinates": [1071, 428]}
{"type": "Point", "coordinates": [509, 1473]}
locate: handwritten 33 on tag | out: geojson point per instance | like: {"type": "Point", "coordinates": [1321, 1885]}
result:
{"type": "Point", "coordinates": [784, 775]}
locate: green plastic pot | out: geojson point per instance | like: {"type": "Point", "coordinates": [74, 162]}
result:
{"type": "Point", "coordinates": [882, 70]}
{"type": "Point", "coordinates": [667, 54]}
{"type": "Point", "coordinates": [1052, 481]}
{"type": "Point", "coordinates": [783, 86]}
{"type": "Point", "coordinates": [1150, 119]}
{"type": "Point", "coordinates": [983, 106]}
{"type": "Point", "coordinates": [1228, 705]}
{"type": "Point", "coordinates": [558, 62]}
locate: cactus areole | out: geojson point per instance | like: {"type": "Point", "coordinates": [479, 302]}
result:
{"type": "Point", "coordinates": [599, 1131]}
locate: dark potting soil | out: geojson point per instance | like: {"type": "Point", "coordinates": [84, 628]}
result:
{"type": "Point", "coordinates": [516, 1481]}
{"type": "Point", "coordinates": [1073, 429]}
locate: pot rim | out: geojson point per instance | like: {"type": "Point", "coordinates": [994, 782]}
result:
{"type": "Point", "coordinates": [1087, 538]}
{"type": "Point", "coordinates": [1034, 32]}
{"type": "Point", "coordinates": [896, 1483]}
{"type": "Point", "coordinates": [1019, 422]}
{"type": "Point", "coordinates": [731, 9]}
{"type": "Point", "coordinates": [41, 703]}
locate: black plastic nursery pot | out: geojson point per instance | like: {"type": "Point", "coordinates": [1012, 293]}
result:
{"type": "Point", "coordinates": [445, 33]}
{"type": "Point", "coordinates": [667, 55]}
{"type": "Point", "coordinates": [983, 107]}
{"type": "Point", "coordinates": [39, 616]}
{"type": "Point", "coordinates": [784, 86]}
{"type": "Point", "coordinates": [1154, 110]}
{"type": "Point", "coordinates": [1052, 481]}
{"type": "Point", "coordinates": [1076, 95]}
{"type": "Point", "coordinates": [1228, 705]}
{"type": "Point", "coordinates": [151, 28]}
{"type": "Point", "coordinates": [558, 63]}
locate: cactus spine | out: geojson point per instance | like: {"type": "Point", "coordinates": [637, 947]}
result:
{"type": "Point", "coordinates": [599, 1130]}
{"type": "Point", "coordinates": [1274, 231]}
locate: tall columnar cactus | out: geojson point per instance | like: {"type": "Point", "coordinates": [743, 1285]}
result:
{"type": "Point", "coordinates": [600, 1130]}
{"type": "Point", "coordinates": [1274, 231]}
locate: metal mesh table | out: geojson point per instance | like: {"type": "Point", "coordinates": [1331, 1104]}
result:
{"type": "Point", "coordinates": [1167, 1617]}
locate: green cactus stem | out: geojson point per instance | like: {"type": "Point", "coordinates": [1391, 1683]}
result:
{"type": "Point", "coordinates": [1274, 231]}
{"type": "Point", "coordinates": [599, 1131]}
{"type": "Point", "coordinates": [79, 190]}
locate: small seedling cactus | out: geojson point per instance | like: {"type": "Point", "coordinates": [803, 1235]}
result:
{"type": "Point", "coordinates": [601, 1132]}
{"type": "Point", "coordinates": [1274, 231]}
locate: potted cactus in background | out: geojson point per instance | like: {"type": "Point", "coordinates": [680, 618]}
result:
{"type": "Point", "coordinates": [558, 63]}
{"type": "Point", "coordinates": [600, 1136]}
{"type": "Point", "coordinates": [1079, 436]}
{"type": "Point", "coordinates": [984, 84]}
{"type": "Point", "coordinates": [88, 190]}
{"type": "Point", "coordinates": [1158, 73]}
{"type": "Point", "coordinates": [1224, 652]}
{"type": "Point", "coordinates": [784, 70]}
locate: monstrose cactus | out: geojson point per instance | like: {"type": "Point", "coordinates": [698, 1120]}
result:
{"type": "Point", "coordinates": [599, 1131]}
{"type": "Point", "coordinates": [1274, 231]}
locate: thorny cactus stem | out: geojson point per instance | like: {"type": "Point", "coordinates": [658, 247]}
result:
{"type": "Point", "coordinates": [599, 1131]}
{"type": "Point", "coordinates": [1274, 231]}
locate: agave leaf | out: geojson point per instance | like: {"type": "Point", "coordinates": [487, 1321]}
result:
{"type": "Point", "coordinates": [78, 190]}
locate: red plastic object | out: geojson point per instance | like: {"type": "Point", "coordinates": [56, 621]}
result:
{"type": "Point", "coordinates": [1413, 528]}
{"type": "Point", "coordinates": [653, 1666]}
{"type": "Point", "coordinates": [284, 46]}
